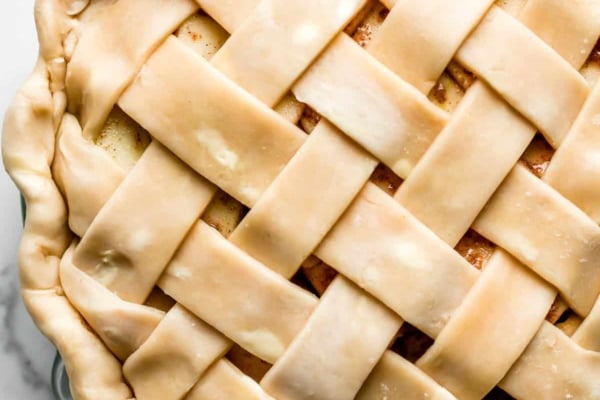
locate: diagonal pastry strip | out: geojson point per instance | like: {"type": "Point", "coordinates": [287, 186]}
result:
{"type": "Point", "coordinates": [224, 379]}
{"type": "Point", "coordinates": [122, 325]}
{"type": "Point", "coordinates": [287, 36]}
{"type": "Point", "coordinates": [496, 300]}
{"type": "Point", "coordinates": [550, 95]}
{"type": "Point", "coordinates": [94, 82]}
{"type": "Point", "coordinates": [75, 182]}
{"type": "Point", "coordinates": [114, 249]}
{"type": "Point", "coordinates": [371, 105]}
{"type": "Point", "coordinates": [426, 36]}
{"type": "Point", "coordinates": [312, 180]}
{"type": "Point", "coordinates": [482, 142]}
{"type": "Point", "coordinates": [215, 280]}
{"type": "Point", "coordinates": [525, 214]}
{"type": "Point", "coordinates": [201, 344]}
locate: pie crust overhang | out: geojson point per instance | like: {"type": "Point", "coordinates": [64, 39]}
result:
{"type": "Point", "coordinates": [238, 201]}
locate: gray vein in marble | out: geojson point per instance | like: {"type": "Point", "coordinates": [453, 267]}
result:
{"type": "Point", "coordinates": [9, 297]}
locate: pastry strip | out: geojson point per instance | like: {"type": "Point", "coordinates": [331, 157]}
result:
{"type": "Point", "coordinates": [75, 168]}
{"type": "Point", "coordinates": [586, 334]}
{"type": "Point", "coordinates": [252, 305]}
{"type": "Point", "coordinates": [277, 231]}
{"type": "Point", "coordinates": [278, 40]}
{"type": "Point", "coordinates": [491, 316]}
{"type": "Point", "coordinates": [382, 248]}
{"type": "Point", "coordinates": [568, 370]}
{"type": "Point", "coordinates": [122, 326]}
{"type": "Point", "coordinates": [95, 80]}
{"type": "Point", "coordinates": [528, 74]}
{"type": "Point", "coordinates": [223, 381]}
{"type": "Point", "coordinates": [227, 16]}
{"type": "Point", "coordinates": [526, 215]}
{"type": "Point", "coordinates": [227, 135]}
{"type": "Point", "coordinates": [579, 152]}
{"type": "Point", "coordinates": [579, 22]}
{"type": "Point", "coordinates": [348, 325]}
{"type": "Point", "coordinates": [425, 37]}
{"type": "Point", "coordinates": [182, 347]}
{"type": "Point", "coordinates": [115, 249]}
{"type": "Point", "coordinates": [395, 378]}
{"type": "Point", "coordinates": [459, 167]}
{"type": "Point", "coordinates": [387, 116]}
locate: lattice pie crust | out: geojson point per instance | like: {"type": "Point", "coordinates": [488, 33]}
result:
{"type": "Point", "coordinates": [235, 200]}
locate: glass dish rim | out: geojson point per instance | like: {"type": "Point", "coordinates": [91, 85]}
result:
{"type": "Point", "coordinates": [60, 379]}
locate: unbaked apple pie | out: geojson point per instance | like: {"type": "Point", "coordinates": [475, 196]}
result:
{"type": "Point", "coordinates": [314, 199]}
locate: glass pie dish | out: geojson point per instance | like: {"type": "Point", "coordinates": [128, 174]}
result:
{"type": "Point", "coordinates": [60, 380]}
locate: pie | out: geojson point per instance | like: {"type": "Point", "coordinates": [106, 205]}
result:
{"type": "Point", "coordinates": [186, 238]}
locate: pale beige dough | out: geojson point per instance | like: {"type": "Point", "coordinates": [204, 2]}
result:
{"type": "Point", "coordinates": [240, 144]}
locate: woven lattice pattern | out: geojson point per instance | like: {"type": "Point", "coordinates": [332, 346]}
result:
{"type": "Point", "coordinates": [302, 199]}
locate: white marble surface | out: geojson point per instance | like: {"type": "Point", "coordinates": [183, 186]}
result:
{"type": "Point", "coordinates": [25, 355]}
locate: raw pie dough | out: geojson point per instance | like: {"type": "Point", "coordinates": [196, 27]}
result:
{"type": "Point", "coordinates": [314, 199]}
